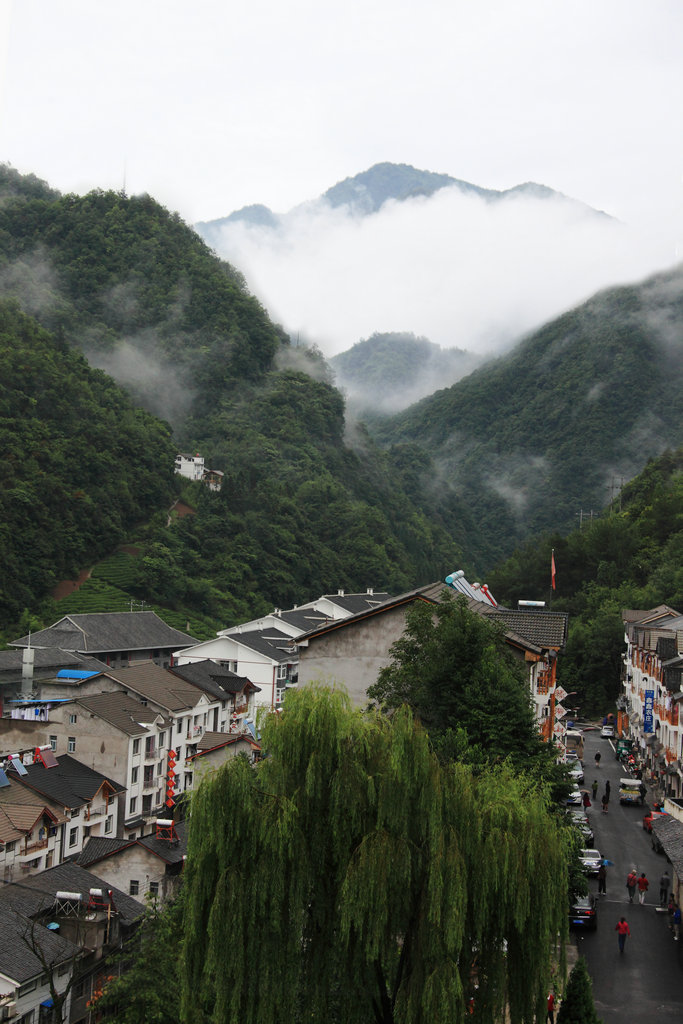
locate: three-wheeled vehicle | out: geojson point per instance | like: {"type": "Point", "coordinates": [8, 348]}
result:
{"type": "Point", "coordinates": [623, 747]}
{"type": "Point", "coordinates": [631, 791]}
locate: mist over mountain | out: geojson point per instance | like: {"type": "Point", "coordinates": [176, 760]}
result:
{"type": "Point", "coordinates": [385, 373]}
{"type": "Point", "coordinates": [396, 249]}
{"type": "Point", "coordinates": [550, 431]}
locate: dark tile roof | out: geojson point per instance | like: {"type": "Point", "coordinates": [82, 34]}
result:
{"type": "Point", "coordinates": [303, 618]}
{"type": "Point", "coordinates": [669, 831]}
{"type": "Point", "coordinates": [540, 627]}
{"type": "Point", "coordinates": [71, 783]}
{"type": "Point", "coordinates": [101, 632]}
{"type": "Point", "coordinates": [20, 933]}
{"type": "Point", "coordinates": [47, 660]}
{"type": "Point", "coordinates": [157, 684]}
{"type": "Point", "coordinates": [122, 711]}
{"type": "Point", "coordinates": [71, 877]}
{"type": "Point", "coordinates": [214, 679]}
{"type": "Point", "coordinates": [272, 643]}
{"type": "Point", "coordinates": [431, 593]}
{"type": "Point", "coordinates": [99, 847]}
{"type": "Point", "coordinates": [215, 740]}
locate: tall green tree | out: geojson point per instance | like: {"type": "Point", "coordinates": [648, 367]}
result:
{"type": "Point", "coordinates": [452, 668]}
{"type": "Point", "coordinates": [351, 877]}
{"type": "Point", "coordinates": [578, 1007]}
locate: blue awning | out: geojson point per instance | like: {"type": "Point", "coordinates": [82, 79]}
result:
{"type": "Point", "coordinates": [47, 1003]}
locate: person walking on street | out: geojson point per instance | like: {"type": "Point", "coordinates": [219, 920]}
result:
{"type": "Point", "coordinates": [551, 1008]}
{"type": "Point", "coordinates": [598, 755]}
{"type": "Point", "coordinates": [677, 922]}
{"type": "Point", "coordinates": [622, 929]}
{"type": "Point", "coordinates": [608, 788]}
{"type": "Point", "coordinates": [602, 880]}
{"type": "Point", "coordinates": [594, 787]}
{"type": "Point", "coordinates": [643, 886]}
{"type": "Point", "coordinates": [605, 802]}
{"type": "Point", "coordinates": [586, 800]}
{"type": "Point", "coordinates": [631, 884]}
{"type": "Point", "coordinates": [664, 883]}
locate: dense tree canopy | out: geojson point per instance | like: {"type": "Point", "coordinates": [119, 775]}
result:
{"type": "Point", "coordinates": [351, 877]}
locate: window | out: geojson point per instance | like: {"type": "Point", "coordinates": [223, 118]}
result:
{"type": "Point", "coordinates": [29, 986]}
{"type": "Point", "coordinates": [53, 742]}
{"type": "Point", "coordinates": [73, 836]}
{"type": "Point", "coordinates": [71, 745]}
{"type": "Point", "coordinates": [73, 719]}
{"type": "Point", "coordinates": [75, 812]}
{"type": "Point", "coordinates": [149, 746]}
{"type": "Point", "coordinates": [9, 847]}
{"type": "Point", "coordinates": [108, 823]}
{"type": "Point", "coordinates": [134, 887]}
{"type": "Point", "coordinates": [162, 740]}
{"type": "Point", "coordinates": [154, 888]}
{"type": "Point", "coordinates": [179, 725]}
{"type": "Point", "coordinates": [160, 768]}
{"type": "Point", "coordinates": [86, 831]}
{"type": "Point", "coordinates": [149, 775]}
{"type": "Point", "coordinates": [133, 804]}
{"type": "Point", "coordinates": [134, 775]}
{"type": "Point", "coordinates": [136, 746]}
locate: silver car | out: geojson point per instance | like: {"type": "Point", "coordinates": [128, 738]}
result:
{"type": "Point", "coordinates": [590, 861]}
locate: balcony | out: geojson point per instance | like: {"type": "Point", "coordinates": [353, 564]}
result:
{"type": "Point", "coordinates": [31, 847]}
{"type": "Point", "coordinates": [194, 732]}
{"type": "Point", "coordinates": [151, 753]}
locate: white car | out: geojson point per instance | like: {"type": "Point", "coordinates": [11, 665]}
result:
{"type": "Point", "coordinates": [590, 861]}
{"type": "Point", "coordinates": [607, 732]}
{"type": "Point", "coordinates": [575, 798]}
{"type": "Point", "coordinates": [576, 774]}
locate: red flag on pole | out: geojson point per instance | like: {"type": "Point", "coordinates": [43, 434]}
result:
{"type": "Point", "coordinates": [552, 569]}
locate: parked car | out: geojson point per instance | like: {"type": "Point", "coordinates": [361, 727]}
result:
{"type": "Point", "coordinates": [580, 821]}
{"type": "Point", "coordinates": [590, 861]}
{"type": "Point", "coordinates": [631, 791]}
{"type": "Point", "coordinates": [583, 912]}
{"type": "Point", "coordinates": [575, 798]}
{"type": "Point", "coordinates": [576, 773]}
{"type": "Point", "coordinates": [572, 758]}
{"type": "Point", "coordinates": [650, 817]}
{"type": "Point", "coordinates": [607, 732]}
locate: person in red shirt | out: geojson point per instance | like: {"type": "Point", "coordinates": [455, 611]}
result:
{"type": "Point", "coordinates": [643, 885]}
{"type": "Point", "coordinates": [551, 1008]}
{"type": "Point", "coordinates": [622, 929]}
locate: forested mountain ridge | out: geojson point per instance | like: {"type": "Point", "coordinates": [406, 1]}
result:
{"type": "Point", "coordinates": [302, 511]}
{"type": "Point", "coordinates": [389, 371]}
{"type": "Point", "coordinates": [365, 193]}
{"type": "Point", "coordinates": [555, 426]}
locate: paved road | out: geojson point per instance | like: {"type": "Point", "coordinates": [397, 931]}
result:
{"type": "Point", "coordinates": [645, 983]}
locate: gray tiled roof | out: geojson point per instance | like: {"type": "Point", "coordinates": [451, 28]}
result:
{"type": "Point", "coordinates": [272, 643]}
{"type": "Point", "coordinates": [157, 684]}
{"type": "Point", "coordinates": [122, 711]}
{"type": "Point", "coordinates": [170, 851]}
{"type": "Point", "coordinates": [71, 783]}
{"type": "Point", "coordinates": [543, 628]}
{"type": "Point", "coordinates": [303, 618]}
{"type": "Point", "coordinates": [214, 679]}
{"type": "Point", "coordinates": [20, 933]}
{"type": "Point", "coordinates": [669, 831]}
{"type": "Point", "coordinates": [71, 877]}
{"type": "Point", "coordinates": [48, 660]}
{"type": "Point", "coordinates": [355, 603]}
{"type": "Point", "coordinates": [99, 847]}
{"type": "Point", "coordinates": [101, 632]}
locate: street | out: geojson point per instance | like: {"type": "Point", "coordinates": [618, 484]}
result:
{"type": "Point", "coordinates": [646, 981]}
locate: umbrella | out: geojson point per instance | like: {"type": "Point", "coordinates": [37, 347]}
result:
{"type": "Point", "coordinates": [608, 863]}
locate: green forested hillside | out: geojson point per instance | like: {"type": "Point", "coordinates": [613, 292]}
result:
{"type": "Point", "coordinates": [631, 557]}
{"type": "Point", "coordinates": [305, 507]}
{"type": "Point", "coordinates": [554, 427]}
{"type": "Point", "coordinates": [80, 465]}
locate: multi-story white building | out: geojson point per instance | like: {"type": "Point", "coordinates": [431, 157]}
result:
{"type": "Point", "coordinates": [190, 466]}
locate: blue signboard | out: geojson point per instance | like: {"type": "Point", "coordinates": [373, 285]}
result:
{"type": "Point", "coordinates": [648, 711]}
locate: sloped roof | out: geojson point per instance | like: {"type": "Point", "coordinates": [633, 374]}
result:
{"type": "Point", "coordinates": [121, 711]}
{"type": "Point", "coordinates": [355, 603]}
{"type": "Point", "coordinates": [19, 933]}
{"type": "Point", "coordinates": [669, 831]}
{"type": "Point", "coordinates": [71, 877]}
{"type": "Point", "coordinates": [648, 615]}
{"type": "Point", "coordinates": [431, 593]}
{"type": "Point", "coordinates": [543, 628]}
{"type": "Point", "coordinates": [159, 685]}
{"type": "Point", "coordinates": [271, 643]}
{"type": "Point", "coordinates": [215, 740]}
{"type": "Point", "coordinates": [214, 679]}
{"type": "Point", "coordinates": [99, 847]}
{"type": "Point", "coordinates": [70, 783]}
{"type": "Point", "coordinates": [170, 851]}
{"type": "Point", "coordinates": [48, 660]}
{"type": "Point", "coordinates": [100, 632]}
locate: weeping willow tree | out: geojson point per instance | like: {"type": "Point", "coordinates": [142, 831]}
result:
{"type": "Point", "coordinates": [350, 877]}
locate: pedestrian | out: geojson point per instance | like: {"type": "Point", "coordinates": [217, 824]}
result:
{"type": "Point", "coordinates": [664, 883]}
{"type": "Point", "coordinates": [608, 788]}
{"type": "Point", "coordinates": [594, 787]}
{"type": "Point", "coordinates": [605, 802]}
{"type": "Point", "coordinates": [602, 880]}
{"type": "Point", "coordinates": [643, 886]}
{"type": "Point", "coordinates": [677, 922]}
{"type": "Point", "coordinates": [586, 800]}
{"type": "Point", "coordinates": [622, 930]}
{"type": "Point", "coordinates": [631, 884]}
{"type": "Point", "coordinates": [551, 1008]}
{"type": "Point", "coordinates": [597, 759]}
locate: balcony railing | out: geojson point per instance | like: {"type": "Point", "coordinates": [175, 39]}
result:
{"type": "Point", "coordinates": [150, 753]}
{"type": "Point", "coordinates": [33, 845]}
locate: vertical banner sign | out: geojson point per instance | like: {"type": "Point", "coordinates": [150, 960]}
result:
{"type": "Point", "coordinates": [170, 779]}
{"type": "Point", "coordinates": [648, 711]}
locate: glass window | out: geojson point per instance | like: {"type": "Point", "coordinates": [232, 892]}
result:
{"type": "Point", "coordinates": [73, 719]}
{"type": "Point", "coordinates": [73, 836]}
{"type": "Point", "coordinates": [154, 888]}
{"type": "Point", "coordinates": [71, 744]}
{"type": "Point", "coordinates": [53, 742]}
{"type": "Point", "coordinates": [133, 804]}
{"type": "Point", "coordinates": [109, 823]}
{"type": "Point", "coordinates": [134, 775]}
{"type": "Point", "coordinates": [179, 725]}
{"type": "Point", "coordinates": [136, 746]}
{"type": "Point", "coordinates": [134, 887]}
{"type": "Point", "coordinates": [162, 740]}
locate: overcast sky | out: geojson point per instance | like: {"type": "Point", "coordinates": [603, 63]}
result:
{"type": "Point", "coordinates": [209, 106]}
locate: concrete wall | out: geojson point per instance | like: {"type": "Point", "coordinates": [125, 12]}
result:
{"type": "Point", "coordinates": [135, 863]}
{"type": "Point", "coordinates": [352, 654]}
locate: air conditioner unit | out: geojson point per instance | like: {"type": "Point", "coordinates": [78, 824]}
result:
{"type": "Point", "coordinates": [8, 1011]}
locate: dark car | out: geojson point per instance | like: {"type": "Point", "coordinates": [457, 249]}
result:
{"type": "Point", "coordinates": [583, 912]}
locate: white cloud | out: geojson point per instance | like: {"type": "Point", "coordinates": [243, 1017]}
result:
{"type": "Point", "coordinates": [458, 270]}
